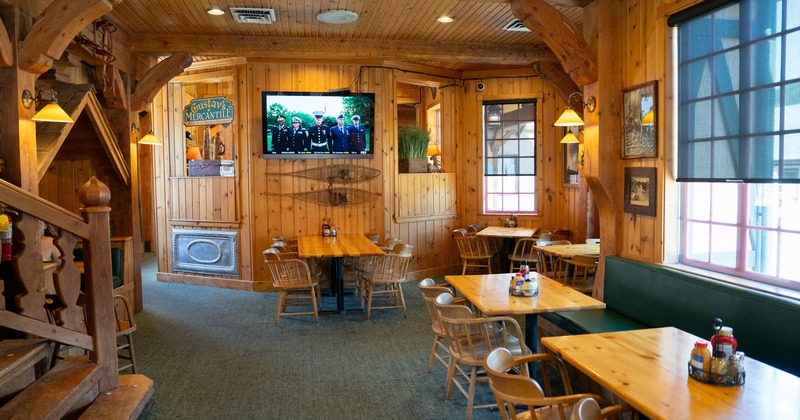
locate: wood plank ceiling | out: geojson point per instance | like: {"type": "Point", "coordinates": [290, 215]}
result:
{"type": "Point", "coordinates": [404, 30]}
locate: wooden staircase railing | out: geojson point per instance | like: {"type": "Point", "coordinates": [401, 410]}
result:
{"type": "Point", "coordinates": [67, 315]}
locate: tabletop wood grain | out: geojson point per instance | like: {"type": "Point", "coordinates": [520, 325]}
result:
{"type": "Point", "coordinates": [569, 251]}
{"type": "Point", "coordinates": [648, 369]}
{"type": "Point", "coordinates": [507, 232]}
{"type": "Point", "coordinates": [489, 293]}
{"type": "Point", "coordinates": [336, 246]}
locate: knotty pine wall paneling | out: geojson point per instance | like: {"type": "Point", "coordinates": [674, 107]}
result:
{"type": "Point", "coordinates": [644, 42]}
{"type": "Point", "coordinates": [558, 207]}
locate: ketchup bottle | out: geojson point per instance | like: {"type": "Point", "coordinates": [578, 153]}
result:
{"type": "Point", "coordinates": [727, 343]}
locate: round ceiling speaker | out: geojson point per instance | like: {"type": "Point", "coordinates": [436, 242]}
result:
{"type": "Point", "coordinates": [337, 16]}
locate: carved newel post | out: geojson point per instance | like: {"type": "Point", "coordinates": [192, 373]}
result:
{"type": "Point", "coordinates": [95, 195]}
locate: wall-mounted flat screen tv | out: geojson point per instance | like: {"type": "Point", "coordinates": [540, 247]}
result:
{"type": "Point", "coordinates": [308, 125]}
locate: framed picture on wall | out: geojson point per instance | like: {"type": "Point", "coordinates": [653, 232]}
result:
{"type": "Point", "coordinates": [571, 159]}
{"type": "Point", "coordinates": [640, 191]}
{"type": "Point", "coordinates": [639, 123]}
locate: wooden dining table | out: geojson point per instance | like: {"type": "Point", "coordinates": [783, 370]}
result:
{"type": "Point", "coordinates": [509, 235]}
{"type": "Point", "coordinates": [568, 251]}
{"type": "Point", "coordinates": [648, 370]}
{"type": "Point", "coordinates": [336, 248]}
{"type": "Point", "coordinates": [489, 294]}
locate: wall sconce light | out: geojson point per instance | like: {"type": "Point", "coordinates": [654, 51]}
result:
{"type": "Point", "coordinates": [570, 118]}
{"type": "Point", "coordinates": [570, 138]}
{"type": "Point", "coordinates": [149, 138]}
{"type": "Point", "coordinates": [51, 112]}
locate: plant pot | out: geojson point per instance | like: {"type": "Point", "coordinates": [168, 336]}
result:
{"type": "Point", "coordinates": [413, 165]}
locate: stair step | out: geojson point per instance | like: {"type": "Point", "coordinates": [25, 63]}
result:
{"type": "Point", "coordinates": [54, 394]}
{"type": "Point", "coordinates": [18, 356]}
{"type": "Point", "coordinates": [125, 402]}
{"type": "Point", "coordinates": [21, 362]}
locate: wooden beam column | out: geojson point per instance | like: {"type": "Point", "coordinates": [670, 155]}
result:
{"type": "Point", "coordinates": [566, 42]}
{"type": "Point", "coordinates": [17, 131]}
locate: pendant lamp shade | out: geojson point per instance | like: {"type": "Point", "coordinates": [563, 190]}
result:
{"type": "Point", "coordinates": [569, 118]}
{"type": "Point", "coordinates": [569, 138]}
{"type": "Point", "coordinates": [52, 113]}
{"type": "Point", "coordinates": [150, 138]}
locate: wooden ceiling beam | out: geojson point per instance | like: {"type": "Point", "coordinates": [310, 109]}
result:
{"type": "Point", "coordinates": [562, 38]}
{"type": "Point", "coordinates": [560, 81]}
{"type": "Point", "coordinates": [54, 29]}
{"type": "Point", "coordinates": [327, 48]}
{"type": "Point", "coordinates": [6, 50]}
{"type": "Point", "coordinates": [157, 77]}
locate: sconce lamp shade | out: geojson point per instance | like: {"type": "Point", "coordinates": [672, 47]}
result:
{"type": "Point", "coordinates": [194, 153]}
{"type": "Point", "coordinates": [433, 149]}
{"type": "Point", "coordinates": [649, 118]}
{"type": "Point", "coordinates": [570, 138]}
{"type": "Point", "coordinates": [150, 138]}
{"type": "Point", "coordinates": [52, 112]}
{"type": "Point", "coordinates": [569, 118]}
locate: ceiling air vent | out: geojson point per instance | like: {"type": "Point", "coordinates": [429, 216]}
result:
{"type": "Point", "coordinates": [250, 15]}
{"type": "Point", "coordinates": [516, 25]}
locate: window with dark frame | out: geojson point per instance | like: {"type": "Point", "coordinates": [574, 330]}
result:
{"type": "Point", "coordinates": [739, 139]}
{"type": "Point", "coordinates": [509, 164]}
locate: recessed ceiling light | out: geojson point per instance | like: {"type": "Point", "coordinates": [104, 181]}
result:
{"type": "Point", "coordinates": [337, 16]}
{"type": "Point", "coordinates": [445, 19]}
{"type": "Point", "coordinates": [215, 11]}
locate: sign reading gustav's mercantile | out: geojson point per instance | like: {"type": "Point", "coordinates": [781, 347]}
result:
{"type": "Point", "coordinates": [208, 111]}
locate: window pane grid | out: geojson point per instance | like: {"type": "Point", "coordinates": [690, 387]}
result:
{"type": "Point", "coordinates": [737, 62]}
{"type": "Point", "coordinates": [509, 164]}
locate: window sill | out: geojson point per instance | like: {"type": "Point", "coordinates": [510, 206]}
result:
{"type": "Point", "coordinates": [739, 281]}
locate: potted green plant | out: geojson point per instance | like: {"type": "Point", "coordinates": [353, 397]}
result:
{"type": "Point", "coordinates": [412, 145]}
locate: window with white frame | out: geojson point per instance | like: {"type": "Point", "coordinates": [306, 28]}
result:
{"type": "Point", "coordinates": [739, 138]}
{"type": "Point", "coordinates": [509, 164]}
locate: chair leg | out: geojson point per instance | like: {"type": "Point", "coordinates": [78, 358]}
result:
{"type": "Point", "coordinates": [471, 394]}
{"type": "Point", "coordinates": [402, 299]}
{"type": "Point", "coordinates": [278, 307]}
{"type": "Point", "coordinates": [314, 292]}
{"type": "Point", "coordinates": [451, 376]}
{"type": "Point", "coordinates": [464, 268]}
{"type": "Point", "coordinates": [433, 352]}
{"type": "Point", "coordinates": [130, 351]}
{"type": "Point", "coordinates": [369, 299]}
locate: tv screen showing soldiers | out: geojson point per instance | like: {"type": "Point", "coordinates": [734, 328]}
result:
{"type": "Point", "coordinates": [305, 124]}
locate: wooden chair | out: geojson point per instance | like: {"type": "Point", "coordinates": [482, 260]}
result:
{"type": "Point", "coordinates": [384, 283]}
{"type": "Point", "coordinates": [125, 326]}
{"type": "Point", "coordinates": [589, 409]}
{"type": "Point", "coordinates": [578, 272]}
{"type": "Point", "coordinates": [511, 389]}
{"type": "Point", "coordinates": [561, 235]}
{"type": "Point", "coordinates": [471, 340]}
{"type": "Point", "coordinates": [523, 253]}
{"type": "Point", "coordinates": [430, 291]}
{"type": "Point", "coordinates": [474, 252]}
{"type": "Point", "coordinates": [545, 263]}
{"type": "Point", "coordinates": [295, 286]}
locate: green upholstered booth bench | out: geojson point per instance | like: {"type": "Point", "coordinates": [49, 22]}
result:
{"type": "Point", "coordinates": [642, 295]}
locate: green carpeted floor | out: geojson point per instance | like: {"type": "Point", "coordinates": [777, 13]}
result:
{"type": "Point", "coordinates": [215, 354]}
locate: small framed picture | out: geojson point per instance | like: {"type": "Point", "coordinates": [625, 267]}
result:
{"type": "Point", "coordinates": [571, 159]}
{"type": "Point", "coordinates": [639, 121]}
{"type": "Point", "coordinates": [640, 191]}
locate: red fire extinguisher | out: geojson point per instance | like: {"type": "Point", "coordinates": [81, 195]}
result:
{"type": "Point", "coordinates": [5, 236]}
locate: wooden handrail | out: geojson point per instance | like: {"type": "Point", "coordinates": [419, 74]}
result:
{"type": "Point", "coordinates": [27, 308]}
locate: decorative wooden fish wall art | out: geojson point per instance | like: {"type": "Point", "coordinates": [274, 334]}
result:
{"type": "Point", "coordinates": [334, 196]}
{"type": "Point", "coordinates": [340, 173]}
